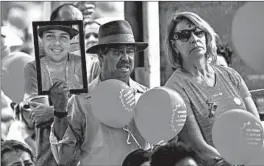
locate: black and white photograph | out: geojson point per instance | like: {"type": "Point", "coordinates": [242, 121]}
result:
{"type": "Point", "coordinates": [56, 55]}
{"type": "Point", "coordinates": [132, 83]}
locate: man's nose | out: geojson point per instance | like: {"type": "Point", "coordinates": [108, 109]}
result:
{"type": "Point", "coordinates": [92, 38]}
{"type": "Point", "coordinates": [125, 55]}
{"type": "Point", "coordinates": [56, 41]}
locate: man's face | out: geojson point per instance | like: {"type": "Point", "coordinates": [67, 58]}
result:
{"type": "Point", "coordinates": [17, 158]}
{"type": "Point", "coordinates": [91, 35]}
{"type": "Point", "coordinates": [118, 63]}
{"type": "Point", "coordinates": [56, 44]}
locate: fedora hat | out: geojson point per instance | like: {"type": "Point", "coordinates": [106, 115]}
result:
{"type": "Point", "coordinates": [116, 32]}
{"type": "Point", "coordinates": [67, 28]}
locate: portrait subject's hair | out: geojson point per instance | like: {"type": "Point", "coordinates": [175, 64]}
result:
{"type": "Point", "coordinates": [175, 59]}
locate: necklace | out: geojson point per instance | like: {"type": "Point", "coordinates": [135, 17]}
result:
{"type": "Point", "coordinates": [49, 72]}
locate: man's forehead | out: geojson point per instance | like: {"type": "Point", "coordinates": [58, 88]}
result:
{"type": "Point", "coordinates": [124, 46]}
{"type": "Point", "coordinates": [55, 31]}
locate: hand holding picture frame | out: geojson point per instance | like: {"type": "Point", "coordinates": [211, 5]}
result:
{"type": "Point", "coordinates": [60, 55]}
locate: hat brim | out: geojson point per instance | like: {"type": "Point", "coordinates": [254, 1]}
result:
{"type": "Point", "coordinates": [72, 32]}
{"type": "Point", "coordinates": [140, 46]}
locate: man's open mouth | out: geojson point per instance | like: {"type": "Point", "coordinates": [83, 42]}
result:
{"type": "Point", "coordinates": [124, 68]}
{"type": "Point", "coordinates": [56, 51]}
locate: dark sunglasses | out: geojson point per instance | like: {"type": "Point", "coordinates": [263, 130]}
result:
{"type": "Point", "coordinates": [185, 35]}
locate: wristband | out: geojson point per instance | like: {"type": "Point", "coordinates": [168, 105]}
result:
{"type": "Point", "coordinates": [60, 114]}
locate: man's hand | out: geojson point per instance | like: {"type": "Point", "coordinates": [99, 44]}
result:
{"type": "Point", "coordinates": [40, 113]}
{"type": "Point", "coordinates": [59, 94]}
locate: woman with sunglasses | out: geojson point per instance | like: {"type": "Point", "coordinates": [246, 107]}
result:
{"type": "Point", "coordinates": [208, 89]}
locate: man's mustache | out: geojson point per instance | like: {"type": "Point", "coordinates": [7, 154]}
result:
{"type": "Point", "coordinates": [123, 63]}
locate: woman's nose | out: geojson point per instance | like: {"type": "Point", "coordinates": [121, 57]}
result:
{"type": "Point", "coordinates": [194, 38]}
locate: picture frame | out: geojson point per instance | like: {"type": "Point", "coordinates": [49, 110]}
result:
{"type": "Point", "coordinates": [76, 51]}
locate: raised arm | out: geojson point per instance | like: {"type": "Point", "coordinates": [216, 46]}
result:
{"type": "Point", "coordinates": [66, 131]}
{"type": "Point", "coordinates": [41, 114]}
{"type": "Point", "coordinates": [244, 93]}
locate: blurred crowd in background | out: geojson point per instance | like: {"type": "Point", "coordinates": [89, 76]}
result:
{"type": "Point", "coordinates": [17, 17]}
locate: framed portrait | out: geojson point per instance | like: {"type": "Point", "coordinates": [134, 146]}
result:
{"type": "Point", "coordinates": [60, 55]}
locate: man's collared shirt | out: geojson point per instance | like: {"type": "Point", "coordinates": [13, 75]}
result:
{"type": "Point", "coordinates": [94, 142]}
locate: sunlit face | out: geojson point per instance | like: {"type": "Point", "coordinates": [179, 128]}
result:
{"type": "Point", "coordinates": [221, 61]}
{"type": "Point", "coordinates": [17, 158]}
{"type": "Point", "coordinates": [189, 40]}
{"type": "Point", "coordinates": [186, 162]}
{"type": "Point", "coordinates": [56, 44]}
{"type": "Point", "coordinates": [91, 34]}
{"type": "Point", "coordinates": [118, 63]}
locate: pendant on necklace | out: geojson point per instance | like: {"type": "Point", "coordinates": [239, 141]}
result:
{"type": "Point", "coordinates": [237, 101]}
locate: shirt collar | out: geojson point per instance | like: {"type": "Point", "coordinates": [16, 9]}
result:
{"type": "Point", "coordinates": [97, 80]}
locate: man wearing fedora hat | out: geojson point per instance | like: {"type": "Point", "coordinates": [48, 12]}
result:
{"type": "Point", "coordinates": [76, 133]}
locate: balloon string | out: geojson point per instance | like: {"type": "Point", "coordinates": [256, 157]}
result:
{"type": "Point", "coordinates": [257, 90]}
{"type": "Point", "coordinates": [128, 137]}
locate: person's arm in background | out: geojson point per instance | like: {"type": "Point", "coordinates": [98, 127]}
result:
{"type": "Point", "coordinates": [245, 94]}
{"type": "Point", "coordinates": [31, 83]}
{"type": "Point", "coordinates": [41, 114]}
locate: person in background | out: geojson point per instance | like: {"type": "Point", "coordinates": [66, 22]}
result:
{"type": "Point", "coordinates": [66, 12]}
{"type": "Point", "coordinates": [91, 28]}
{"type": "Point", "coordinates": [58, 63]}
{"type": "Point", "coordinates": [139, 157]}
{"type": "Point", "coordinates": [224, 55]}
{"type": "Point", "coordinates": [208, 90]}
{"type": "Point", "coordinates": [14, 153]}
{"type": "Point", "coordinates": [80, 135]}
{"type": "Point", "coordinates": [82, 11]}
{"type": "Point", "coordinates": [41, 115]}
{"type": "Point", "coordinates": [6, 115]}
{"type": "Point", "coordinates": [173, 154]}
